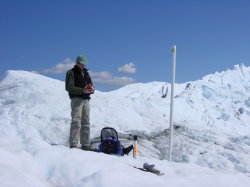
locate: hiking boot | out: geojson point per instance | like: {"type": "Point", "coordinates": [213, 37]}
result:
{"type": "Point", "coordinates": [88, 148]}
{"type": "Point", "coordinates": [73, 146]}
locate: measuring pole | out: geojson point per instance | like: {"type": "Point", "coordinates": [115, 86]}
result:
{"type": "Point", "coordinates": [172, 103]}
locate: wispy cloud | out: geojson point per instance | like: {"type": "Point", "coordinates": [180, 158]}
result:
{"type": "Point", "coordinates": [127, 68]}
{"type": "Point", "coordinates": [36, 72]}
{"type": "Point", "coordinates": [97, 77]}
{"type": "Point", "coordinates": [109, 79]}
{"type": "Point", "coordinates": [60, 67]}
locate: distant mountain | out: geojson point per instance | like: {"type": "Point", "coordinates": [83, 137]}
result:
{"type": "Point", "coordinates": [220, 100]}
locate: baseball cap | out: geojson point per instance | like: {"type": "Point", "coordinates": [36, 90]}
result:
{"type": "Point", "coordinates": [82, 60]}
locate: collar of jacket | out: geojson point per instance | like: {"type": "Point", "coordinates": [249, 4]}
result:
{"type": "Point", "coordinates": [79, 70]}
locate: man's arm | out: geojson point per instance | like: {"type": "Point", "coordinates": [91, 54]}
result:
{"type": "Point", "coordinates": [69, 84]}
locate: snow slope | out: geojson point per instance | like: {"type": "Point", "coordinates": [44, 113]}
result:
{"type": "Point", "coordinates": [211, 143]}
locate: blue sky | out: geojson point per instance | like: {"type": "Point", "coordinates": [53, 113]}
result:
{"type": "Point", "coordinates": [125, 41]}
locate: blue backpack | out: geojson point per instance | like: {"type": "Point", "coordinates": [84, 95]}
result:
{"type": "Point", "coordinates": [109, 142]}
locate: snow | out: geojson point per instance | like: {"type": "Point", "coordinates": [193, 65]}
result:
{"type": "Point", "coordinates": [211, 145]}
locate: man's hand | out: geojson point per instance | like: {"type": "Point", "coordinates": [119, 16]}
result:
{"type": "Point", "coordinates": [89, 89]}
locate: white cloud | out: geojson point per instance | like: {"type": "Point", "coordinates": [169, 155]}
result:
{"type": "Point", "coordinates": [97, 77]}
{"type": "Point", "coordinates": [60, 67]}
{"type": "Point", "coordinates": [127, 68]}
{"type": "Point", "coordinates": [109, 79]}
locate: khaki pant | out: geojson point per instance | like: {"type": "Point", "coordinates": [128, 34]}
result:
{"type": "Point", "coordinates": [80, 126]}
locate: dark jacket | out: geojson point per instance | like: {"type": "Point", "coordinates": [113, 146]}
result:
{"type": "Point", "coordinates": [76, 81]}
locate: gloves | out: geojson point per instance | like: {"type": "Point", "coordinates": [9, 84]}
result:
{"type": "Point", "coordinates": [127, 150]}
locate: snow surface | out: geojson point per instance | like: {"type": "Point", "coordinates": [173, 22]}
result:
{"type": "Point", "coordinates": [211, 138]}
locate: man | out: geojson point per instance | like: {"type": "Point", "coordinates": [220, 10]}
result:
{"type": "Point", "coordinates": [79, 86]}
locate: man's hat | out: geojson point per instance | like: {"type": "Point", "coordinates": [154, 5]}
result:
{"type": "Point", "coordinates": [82, 60]}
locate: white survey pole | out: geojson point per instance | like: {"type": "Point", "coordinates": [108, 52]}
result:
{"type": "Point", "coordinates": [172, 103]}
